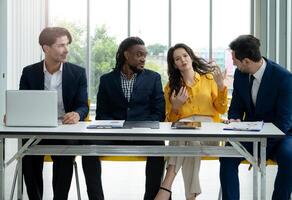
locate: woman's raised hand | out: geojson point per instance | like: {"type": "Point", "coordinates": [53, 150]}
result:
{"type": "Point", "coordinates": [219, 76]}
{"type": "Point", "coordinates": [178, 100]}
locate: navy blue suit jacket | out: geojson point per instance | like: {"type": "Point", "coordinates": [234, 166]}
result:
{"type": "Point", "coordinates": [146, 103]}
{"type": "Point", "coordinates": [74, 85]}
{"type": "Point", "coordinates": [274, 98]}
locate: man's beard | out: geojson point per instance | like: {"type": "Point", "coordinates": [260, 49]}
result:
{"type": "Point", "coordinates": [135, 69]}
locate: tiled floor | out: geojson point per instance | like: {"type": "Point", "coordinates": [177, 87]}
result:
{"type": "Point", "coordinates": [125, 181]}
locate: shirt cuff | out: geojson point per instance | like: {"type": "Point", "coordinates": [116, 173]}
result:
{"type": "Point", "coordinates": [173, 117]}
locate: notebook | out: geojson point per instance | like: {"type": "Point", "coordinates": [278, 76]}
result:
{"type": "Point", "coordinates": [31, 108]}
{"type": "Point", "coordinates": [185, 125]}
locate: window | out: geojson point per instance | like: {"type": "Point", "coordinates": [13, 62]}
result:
{"type": "Point", "coordinates": [74, 19]}
{"type": "Point", "coordinates": [227, 25]}
{"type": "Point", "coordinates": [149, 21]}
{"type": "Point", "coordinates": [190, 25]}
{"type": "Point", "coordinates": [98, 26]}
{"type": "Point", "coordinates": [107, 30]}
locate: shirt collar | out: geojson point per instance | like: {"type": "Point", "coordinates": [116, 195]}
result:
{"type": "Point", "coordinates": [124, 76]}
{"type": "Point", "coordinates": [259, 74]}
{"type": "Point", "coordinates": [45, 67]}
{"type": "Point", "coordinates": [197, 76]}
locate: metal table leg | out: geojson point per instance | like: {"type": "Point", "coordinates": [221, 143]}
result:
{"type": "Point", "coordinates": [255, 172]}
{"type": "Point", "coordinates": [2, 169]}
{"type": "Point", "coordinates": [263, 147]}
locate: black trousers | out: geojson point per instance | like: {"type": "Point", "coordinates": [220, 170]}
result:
{"type": "Point", "coordinates": [92, 171]}
{"type": "Point", "coordinates": [32, 167]}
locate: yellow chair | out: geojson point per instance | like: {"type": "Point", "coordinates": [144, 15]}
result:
{"type": "Point", "coordinates": [48, 158]}
{"type": "Point", "coordinates": [269, 162]}
{"type": "Point", "coordinates": [106, 158]}
{"type": "Point", "coordinates": [123, 158]}
{"type": "Point", "coordinates": [116, 158]}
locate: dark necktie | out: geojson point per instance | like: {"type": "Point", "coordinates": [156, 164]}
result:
{"type": "Point", "coordinates": [251, 78]}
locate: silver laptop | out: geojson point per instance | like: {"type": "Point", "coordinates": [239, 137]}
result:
{"type": "Point", "coordinates": [31, 108]}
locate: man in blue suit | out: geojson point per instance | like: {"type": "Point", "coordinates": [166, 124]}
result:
{"type": "Point", "coordinates": [130, 93]}
{"type": "Point", "coordinates": [262, 90]}
{"type": "Point", "coordinates": [54, 73]}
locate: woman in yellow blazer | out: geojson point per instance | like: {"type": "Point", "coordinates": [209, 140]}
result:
{"type": "Point", "coordinates": [195, 92]}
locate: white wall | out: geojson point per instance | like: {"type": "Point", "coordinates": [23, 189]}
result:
{"type": "Point", "coordinates": [3, 52]}
{"type": "Point", "coordinates": [3, 60]}
{"type": "Point", "coordinates": [26, 19]}
{"type": "Point", "coordinates": [20, 25]}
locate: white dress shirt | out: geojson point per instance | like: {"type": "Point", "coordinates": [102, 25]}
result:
{"type": "Point", "coordinates": [257, 81]}
{"type": "Point", "coordinates": [54, 82]}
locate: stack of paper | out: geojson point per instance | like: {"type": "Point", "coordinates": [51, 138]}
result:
{"type": "Point", "coordinates": [106, 124]}
{"type": "Point", "coordinates": [245, 126]}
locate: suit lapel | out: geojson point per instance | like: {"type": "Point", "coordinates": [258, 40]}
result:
{"type": "Point", "coordinates": [138, 84]}
{"type": "Point", "coordinates": [67, 81]}
{"type": "Point", "coordinates": [264, 86]}
{"type": "Point", "coordinates": [40, 77]}
{"type": "Point", "coordinates": [117, 83]}
{"type": "Point", "coordinates": [139, 81]}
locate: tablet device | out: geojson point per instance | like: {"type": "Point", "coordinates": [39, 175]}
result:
{"type": "Point", "coordinates": [141, 124]}
{"type": "Point", "coordinates": [185, 125]}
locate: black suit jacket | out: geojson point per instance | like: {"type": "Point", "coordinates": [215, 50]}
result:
{"type": "Point", "coordinates": [146, 103]}
{"type": "Point", "coordinates": [274, 98]}
{"type": "Point", "coordinates": [74, 85]}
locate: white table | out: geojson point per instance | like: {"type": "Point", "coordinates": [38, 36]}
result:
{"type": "Point", "coordinates": [208, 132]}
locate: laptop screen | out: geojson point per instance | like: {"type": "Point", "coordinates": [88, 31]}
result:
{"type": "Point", "coordinates": [31, 108]}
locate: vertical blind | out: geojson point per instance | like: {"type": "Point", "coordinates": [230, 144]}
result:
{"type": "Point", "coordinates": [25, 21]}
{"type": "Point", "coordinates": [3, 53]}
{"type": "Point", "coordinates": [273, 26]}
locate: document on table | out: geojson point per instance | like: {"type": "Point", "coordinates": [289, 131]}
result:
{"type": "Point", "coordinates": [106, 124]}
{"type": "Point", "coordinates": [244, 126]}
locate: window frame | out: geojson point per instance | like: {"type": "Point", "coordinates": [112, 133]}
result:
{"type": "Point", "coordinates": [88, 44]}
